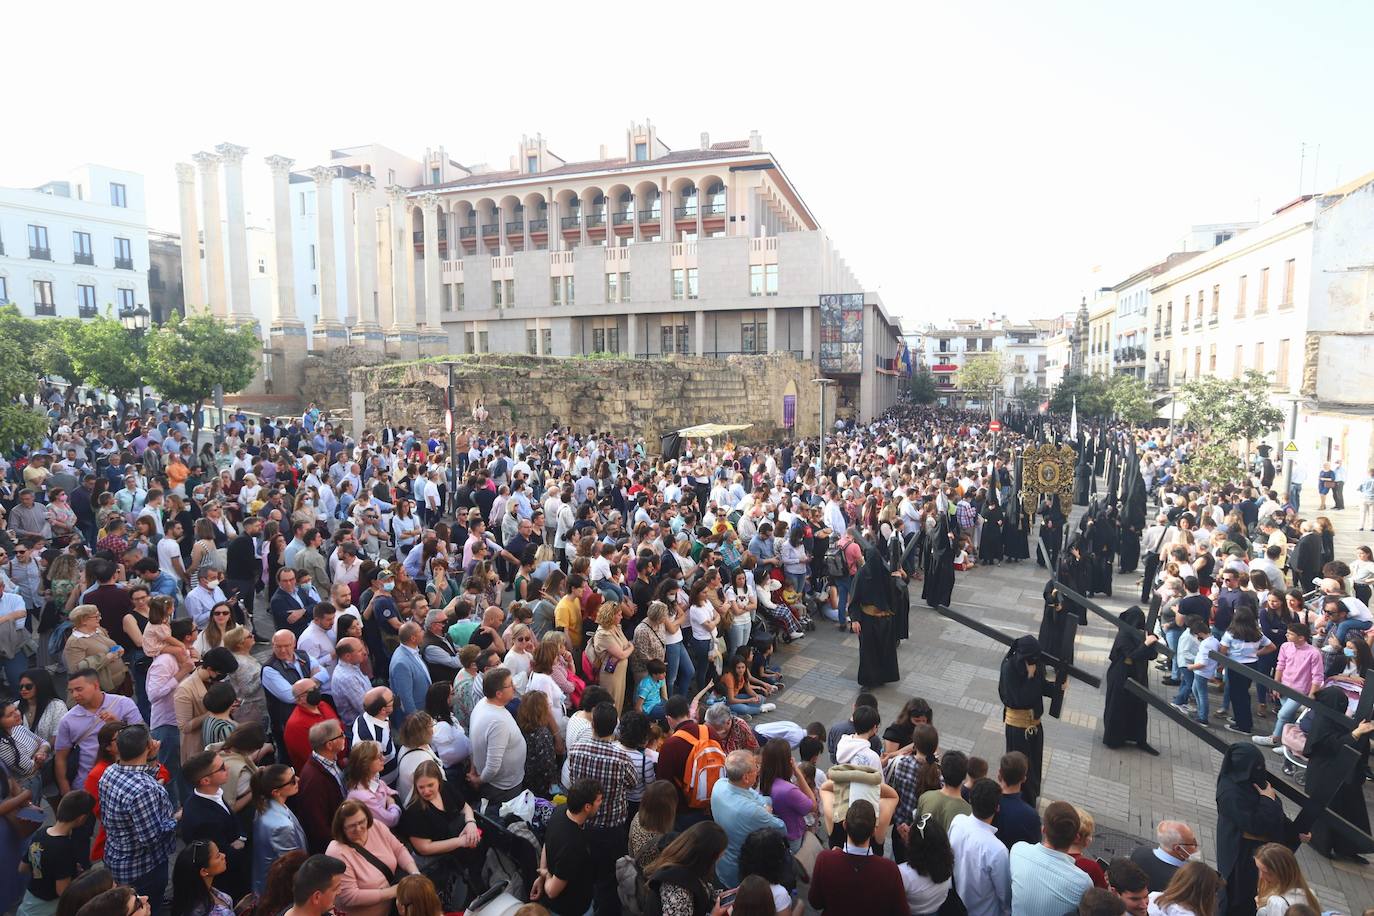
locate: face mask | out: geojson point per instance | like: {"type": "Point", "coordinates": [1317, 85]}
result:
{"type": "Point", "coordinates": [1196, 856]}
{"type": "Point", "coordinates": [1349, 652]}
{"type": "Point", "coordinates": [388, 586]}
{"type": "Point", "coordinates": [313, 696]}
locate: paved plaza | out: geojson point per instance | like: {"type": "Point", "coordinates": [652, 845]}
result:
{"type": "Point", "coordinates": [956, 669]}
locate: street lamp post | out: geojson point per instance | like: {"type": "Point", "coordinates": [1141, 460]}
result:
{"type": "Point", "coordinates": [135, 321]}
{"type": "Point", "coordinates": [820, 458]}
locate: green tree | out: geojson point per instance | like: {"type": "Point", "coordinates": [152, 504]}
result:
{"type": "Point", "coordinates": [1091, 394]}
{"type": "Point", "coordinates": [982, 374]}
{"type": "Point", "coordinates": [187, 358]}
{"type": "Point", "coordinates": [921, 386]}
{"type": "Point", "coordinates": [1030, 398]}
{"type": "Point", "coordinates": [19, 423]}
{"type": "Point", "coordinates": [1130, 399]}
{"type": "Point", "coordinates": [1230, 410]}
{"type": "Point", "coordinates": [1214, 462]}
{"type": "Point", "coordinates": [107, 356]}
{"type": "Point", "coordinates": [52, 351]}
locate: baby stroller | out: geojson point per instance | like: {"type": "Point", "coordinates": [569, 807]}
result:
{"type": "Point", "coordinates": [1294, 739]}
{"type": "Point", "coordinates": [777, 613]}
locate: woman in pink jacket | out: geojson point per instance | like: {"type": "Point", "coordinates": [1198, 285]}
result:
{"type": "Point", "coordinates": [374, 861]}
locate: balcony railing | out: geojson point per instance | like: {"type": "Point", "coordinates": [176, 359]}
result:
{"type": "Point", "coordinates": [625, 217]}
{"type": "Point", "coordinates": [571, 222]}
{"type": "Point", "coordinates": [1197, 323]}
{"type": "Point", "coordinates": [467, 232]}
{"type": "Point", "coordinates": [1128, 354]}
{"type": "Point", "coordinates": [1159, 379]}
{"type": "Point", "coordinates": [491, 229]}
{"type": "Point", "coordinates": [1168, 331]}
{"type": "Point", "coordinates": [539, 225]}
{"type": "Point", "coordinates": [83, 258]}
{"type": "Point", "coordinates": [596, 219]}
{"type": "Point", "coordinates": [649, 216]}
{"type": "Point", "coordinates": [515, 225]}
{"type": "Point", "coordinates": [717, 209]}
{"type": "Point", "coordinates": [1158, 332]}
{"type": "Point", "coordinates": [685, 212]}
{"type": "Point", "coordinates": [40, 254]}
{"type": "Point", "coordinates": [87, 311]}
{"type": "Point", "coordinates": [45, 311]}
{"type": "Point", "coordinates": [1214, 320]}
{"type": "Point", "coordinates": [124, 263]}
{"type": "Point", "coordinates": [420, 235]}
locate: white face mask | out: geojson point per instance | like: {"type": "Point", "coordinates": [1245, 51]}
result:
{"type": "Point", "coordinates": [1196, 856]}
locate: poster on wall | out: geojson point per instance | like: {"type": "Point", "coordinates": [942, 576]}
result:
{"type": "Point", "coordinates": [842, 332]}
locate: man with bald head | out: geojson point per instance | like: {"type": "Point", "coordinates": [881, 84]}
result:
{"type": "Point", "coordinates": [374, 724]}
{"type": "Point", "coordinates": [410, 678]}
{"type": "Point", "coordinates": [311, 709]}
{"type": "Point", "coordinates": [287, 666]}
{"type": "Point", "coordinates": [348, 685]}
{"type": "Point", "coordinates": [1177, 844]}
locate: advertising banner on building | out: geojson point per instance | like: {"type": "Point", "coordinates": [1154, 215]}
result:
{"type": "Point", "coordinates": [842, 332]}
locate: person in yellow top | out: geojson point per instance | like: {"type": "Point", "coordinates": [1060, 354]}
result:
{"type": "Point", "coordinates": [567, 615]}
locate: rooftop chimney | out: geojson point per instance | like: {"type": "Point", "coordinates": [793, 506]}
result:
{"type": "Point", "coordinates": [705, 140]}
{"type": "Point", "coordinates": [605, 153]}
{"type": "Point", "coordinates": [755, 142]}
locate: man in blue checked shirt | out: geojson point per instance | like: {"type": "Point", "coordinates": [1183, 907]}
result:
{"type": "Point", "coordinates": [140, 819]}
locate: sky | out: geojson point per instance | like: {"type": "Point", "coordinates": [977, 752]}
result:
{"type": "Point", "coordinates": [966, 158]}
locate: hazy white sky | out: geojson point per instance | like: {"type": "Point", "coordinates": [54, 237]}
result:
{"type": "Point", "coordinates": [965, 158]}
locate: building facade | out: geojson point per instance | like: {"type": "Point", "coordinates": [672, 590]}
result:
{"type": "Point", "coordinates": [1101, 315]}
{"type": "Point", "coordinates": [75, 247]}
{"type": "Point", "coordinates": [1019, 348]}
{"type": "Point", "coordinates": [1291, 298]}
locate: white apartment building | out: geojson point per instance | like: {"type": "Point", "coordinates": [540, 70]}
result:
{"type": "Point", "coordinates": [1021, 347]}
{"type": "Point", "coordinates": [1131, 323]}
{"type": "Point", "coordinates": [1291, 298]}
{"type": "Point", "coordinates": [72, 247]}
{"type": "Point", "coordinates": [1101, 314]}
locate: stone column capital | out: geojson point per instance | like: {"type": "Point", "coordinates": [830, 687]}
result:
{"type": "Point", "coordinates": [323, 175]}
{"type": "Point", "coordinates": [429, 202]}
{"type": "Point", "coordinates": [280, 165]}
{"type": "Point", "coordinates": [231, 153]}
{"type": "Point", "coordinates": [362, 184]}
{"type": "Point", "coordinates": [396, 192]}
{"type": "Point", "coordinates": [208, 162]}
{"type": "Point", "coordinates": [186, 173]}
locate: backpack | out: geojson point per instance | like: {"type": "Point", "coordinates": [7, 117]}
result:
{"type": "Point", "coordinates": [631, 887]}
{"type": "Point", "coordinates": [705, 765]}
{"type": "Point", "coordinates": [834, 565]}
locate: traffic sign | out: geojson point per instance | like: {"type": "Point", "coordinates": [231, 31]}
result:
{"type": "Point", "coordinates": [995, 426]}
{"type": "Point", "coordinates": [1292, 447]}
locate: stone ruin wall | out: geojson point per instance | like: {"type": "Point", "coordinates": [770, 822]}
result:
{"type": "Point", "coordinates": [625, 396]}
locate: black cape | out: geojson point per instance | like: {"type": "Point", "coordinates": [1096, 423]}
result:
{"type": "Point", "coordinates": [1126, 716]}
{"type": "Point", "coordinates": [1335, 777]}
{"type": "Point", "coordinates": [873, 587]}
{"type": "Point", "coordinates": [939, 568]}
{"type": "Point", "coordinates": [1242, 810]}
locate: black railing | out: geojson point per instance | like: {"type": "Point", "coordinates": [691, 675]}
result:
{"type": "Point", "coordinates": [45, 311]}
{"type": "Point", "coordinates": [515, 225]}
{"type": "Point", "coordinates": [1214, 320]}
{"type": "Point", "coordinates": [1158, 332]}
{"type": "Point", "coordinates": [81, 258]}
{"type": "Point", "coordinates": [40, 254]}
{"type": "Point", "coordinates": [124, 263]}
{"type": "Point", "coordinates": [539, 225]}
{"type": "Point", "coordinates": [649, 216]}
{"type": "Point", "coordinates": [624, 217]}
{"type": "Point", "coordinates": [571, 222]}
{"type": "Point", "coordinates": [596, 219]}
{"type": "Point", "coordinates": [87, 311]}
{"type": "Point", "coordinates": [467, 232]}
{"type": "Point", "coordinates": [716, 209]}
{"type": "Point", "coordinates": [420, 235]}
{"type": "Point", "coordinates": [685, 212]}
{"type": "Point", "coordinates": [491, 229]}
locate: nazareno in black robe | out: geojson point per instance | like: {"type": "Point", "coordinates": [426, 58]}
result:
{"type": "Point", "coordinates": [1335, 777]}
{"type": "Point", "coordinates": [901, 596]}
{"type": "Point", "coordinates": [939, 552]}
{"type": "Point", "coordinates": [1126, 716]}
{"type": "Point", "coordinates": [1021, 690]}
{"type": "Point", "coordinates": [872, 607]}
{"type": "Point", "coordinates": [1058, 624]}
{"type": "Point", "coordinates": [1246, 820]}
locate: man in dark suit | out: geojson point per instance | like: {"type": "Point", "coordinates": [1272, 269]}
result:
{"type": "Point", "coordinates": [206, 816]}
{"type": "Point", "coordinates": [1177, 845]}
{"type": "Point", "coordinates": [322, 784]}
{"type": "Point", "coordinates": [243, 566]}
{"type": "Point", "coordinates": [291, 609]}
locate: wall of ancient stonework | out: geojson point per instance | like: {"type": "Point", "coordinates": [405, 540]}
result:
{"type": "Point", "coordinates": [328, 376]}
{"type": "Point", "coordinates": [625, 396]}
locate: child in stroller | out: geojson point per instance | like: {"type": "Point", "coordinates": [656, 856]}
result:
{"type": "Point", "coordinates": [1295, 733]}
{"type": "Point", "coordinates": [778, 612]}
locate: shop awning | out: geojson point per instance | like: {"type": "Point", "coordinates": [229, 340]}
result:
{"type": "Point", "coordinates": [711, 430]}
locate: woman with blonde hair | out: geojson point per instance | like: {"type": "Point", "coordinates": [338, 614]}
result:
{"type": "Point", "coordinates": [89, 646]}
{"type": "Point", "coordinates": [564, 671]}
{"type": "Point", "coordinates": [1078, 848]}
{"type": "Point", "coordinates": [247, 679]}
{"type": "Point", "coordinates": [364, 781]}
{"type": "Point", "coordinates": [1192, 891]}
{"type": "Point", "coordinates": [610, 652]}
{"type": "Point", "coordinates": [1281, 881]}
{"type": "Point", "coordinates": [203, 552]}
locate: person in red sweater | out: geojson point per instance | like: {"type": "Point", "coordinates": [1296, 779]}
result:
{"type": "Point", "coordinates": [310, 710]}
{"type": "Point", "coordinates": [852, 881]}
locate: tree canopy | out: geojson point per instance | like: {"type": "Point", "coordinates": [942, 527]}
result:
{"type": "Point", "coordinates": [1231, 409]}
{"type": "Point", "coordinates": [982, 373]}
{"type": "Point", "coordinates": [187, 358]}
{"type": "Point", "coordinates": [921, 385]}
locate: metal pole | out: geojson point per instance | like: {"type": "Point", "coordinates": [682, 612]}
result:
{"type": "Point", "coordinates": [820, 459]}
{"type": "Point", "coordinates": [452, 445]}
{"type": "Point", "coordinates": [1292, 437]}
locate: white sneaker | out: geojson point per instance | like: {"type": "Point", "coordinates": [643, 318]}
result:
{"type": "Point", "coordinates": [1264, 740]}
{"type": "Point", "coordinates": [1277, 749]}
{"type": "Point", "coordinates": [768, 707]}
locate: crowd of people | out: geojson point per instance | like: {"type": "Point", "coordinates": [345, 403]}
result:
{"type": "Point", "coordinates": [306, 672]}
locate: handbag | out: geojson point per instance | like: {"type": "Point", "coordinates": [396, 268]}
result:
{"type": "Point", "coordinates": [74, 756]}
